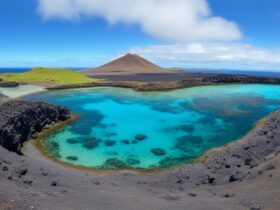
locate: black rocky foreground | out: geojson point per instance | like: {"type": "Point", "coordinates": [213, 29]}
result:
{"type": "Point", "coordinates": [21, 121]}
{"type": "Point", "coordinates": [242, 175]}
{"type": "Point", "coordinates": [3, 98]}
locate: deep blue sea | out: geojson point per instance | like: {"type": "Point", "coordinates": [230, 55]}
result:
{"type": "Point", "coordinates": [21, 70]}
{"type": "Point", "coordinates": [14, 70]}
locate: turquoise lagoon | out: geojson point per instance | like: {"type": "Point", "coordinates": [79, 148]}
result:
{"type": "Point", "coordinates": [176, 126]}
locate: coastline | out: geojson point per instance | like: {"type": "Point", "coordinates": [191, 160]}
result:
{"type": "Point", "coordinates": [36, 147]}
{"type": "Point", "coordinates": [165, 82]}
{"type": "Point", "coordinates": [199, 160]}
{"type": "Point", "coordinates": [47, 183]}
{"type": "Point", "coordinates": [227, 179]}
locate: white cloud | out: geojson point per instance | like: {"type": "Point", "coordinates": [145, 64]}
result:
{"type": "Point", "coordinates": [218, 55]}
{"type": "Point", "coordinates": [170, 20]}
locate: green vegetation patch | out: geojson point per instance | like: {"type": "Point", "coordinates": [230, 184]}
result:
{"type": "Point", "coordinates": [48, 75]}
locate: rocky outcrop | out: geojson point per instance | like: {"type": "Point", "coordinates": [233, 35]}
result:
{"type": "Point", "coordinates": [8, 84]}
{"type": "Point", "coordinates": [237, 161]}
{"type": "Point", "coordinates": [3, 98]}
{"type": "Point", "coordinates": [21, 121]}
{"type": "Point", "coordinates": [183, 81]}
{"type": "Point", "coordinates": [228, 78]}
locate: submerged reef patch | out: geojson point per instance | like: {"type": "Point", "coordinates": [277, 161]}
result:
{"type": "Point", "coordinates": [113, 164]}
{"type": "Point", "coordinates": [109, 143]}
{"type": "Point", "coordinates": [90, 117]}
{"type": "Point", "coordinates": [158, 151]}
{"type": "Point", "coordinates": [90, 142]}
{"type": "Point", "coordinates": [141, 137]}
{"type": "Point", "coordinates": [72, 158]}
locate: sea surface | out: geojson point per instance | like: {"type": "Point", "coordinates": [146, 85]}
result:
{"type": "Point", "coordinates": [119, 128]}
{"type": "Point", "coordinates": [26, 69]}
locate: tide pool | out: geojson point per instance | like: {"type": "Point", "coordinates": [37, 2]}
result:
{"type": "Point", "coordinates": [119, 128]}
{"type": "Point", "coordinates": [21, 90]}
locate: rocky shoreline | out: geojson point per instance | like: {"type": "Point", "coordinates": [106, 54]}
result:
{"type": "Point", "coordinates": [8, 84]}
{"type": "Point", "coordinates": [3, 98]}
{"type": "Point", "coordinates": [227, 178]}
{"type": "Point", "coordinates": [21, 121]}
{"type": "Point", "coordinates": [180, 81]}
{"type": "Point", "coordinates": [236, 161]}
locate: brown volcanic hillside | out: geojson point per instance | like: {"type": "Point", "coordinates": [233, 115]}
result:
{"type": "Point", "coordinates": [128, 64]}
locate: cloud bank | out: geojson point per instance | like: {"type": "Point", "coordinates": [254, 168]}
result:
{"type": "Point", "coordinates": [224, 55]}
{"type": "Point", "coordinates": [174, 21]}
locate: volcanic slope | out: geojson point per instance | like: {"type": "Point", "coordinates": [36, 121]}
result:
{"type": "Point", "coordinates": [128, 64]}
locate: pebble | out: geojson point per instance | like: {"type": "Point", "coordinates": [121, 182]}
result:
{"type": "Point", "coordinates": [22, 171]}
{"type": "Point", "coordinates": [255, 207]}
{"type": "Point", "coordinates": [28, 182]}
{"type": "Point", "coordinates": [192, 194]}
{"type": "Point", "coordinates": [54, 183]}
{"type": "Point", "coordinates": [171, 197]}
{"type": "Point", "coordinates": [228, 195]}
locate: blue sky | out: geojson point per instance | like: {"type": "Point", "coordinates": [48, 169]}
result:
{"type": "Point", "coordinates": [41, 33]}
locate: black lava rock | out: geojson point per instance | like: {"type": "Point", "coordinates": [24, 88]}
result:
{"type": "Point", "coordinates": [21, 120]}
{"type": "Point", "coordinates": [54, 183]}
{"type": "Point", "coordinates": [9, 84]}
{"type": "Point", "coordinates": [232, 178]}
{"type": "Point", "coordinates": [22, 171]}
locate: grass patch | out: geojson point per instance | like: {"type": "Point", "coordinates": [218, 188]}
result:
{"type": "Point", "coordinates": [48, 75]}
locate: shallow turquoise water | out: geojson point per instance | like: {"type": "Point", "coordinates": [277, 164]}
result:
{"type": "Point", "coordinates": [178, 125]}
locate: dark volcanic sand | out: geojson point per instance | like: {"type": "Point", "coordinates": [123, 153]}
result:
{"type": "Point", "coordinates": [152, 77]}
{"type": "Point", "coordinates": [184, 76]}
{"type": "Point", "coordinates": [3, 98]}
{"type": "Point", "coordinates": [243, 175]}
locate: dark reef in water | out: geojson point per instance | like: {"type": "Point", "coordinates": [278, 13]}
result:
{"type": "Point", "coordinates": [93, 118]}
{"type": "Point", "coordinates": [21, 121]}
{"type": "Point", "coordinates": [114, 163]}
{"type": "Point", "coordinates": [72, 158]}
{"type": "Point", "coordinates": [141, 137]}
{"type": "Point", "coordinates": [158, 151]}
{"type": "Point", "coordinates": [110, 143]}
{"type": "Point", "coordinates": [90, 142]}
